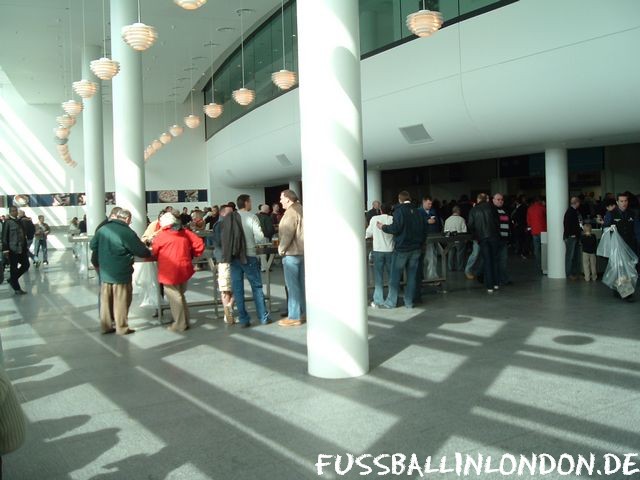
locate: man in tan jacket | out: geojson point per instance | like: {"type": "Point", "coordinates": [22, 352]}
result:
{"type": "Point", "coordinates": [291, 248]}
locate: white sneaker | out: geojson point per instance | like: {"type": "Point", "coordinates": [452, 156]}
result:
{"type": "Point", "coordinates": [496, 287]}
{"type": "Point", "coordinates": [489, 290]}
{"type": "Point", "coordinates": [374, 305]}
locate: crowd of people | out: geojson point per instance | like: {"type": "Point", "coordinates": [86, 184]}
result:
{"type": "Point", "coordinates": [498, 226]}
{"type": "Point", "coordinates": [175, 238]}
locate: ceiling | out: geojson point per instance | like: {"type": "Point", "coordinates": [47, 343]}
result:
{"type": "Point", "coordinates": [38, 49]}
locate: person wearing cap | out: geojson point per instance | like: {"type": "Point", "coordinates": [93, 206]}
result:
{"type": "Point", "coordinates": [175, 247]}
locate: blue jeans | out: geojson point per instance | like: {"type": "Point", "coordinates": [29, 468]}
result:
{"type": "Point", "coordinates": [381, 262]}
{"type": "Point", "coordinates": [537, 251]}
{"type": "Point", "coordinates": [252, 270]}
{"type": "Point", "coordinates": [489, 251]}
{"type": "Point", "coordinates": [42, 243]}
{"type": "Point", "coordinates": [572, 257]}
{"type": "Point", "coordinates": [474, 263]}
{"type": "Point", "coordinates": [293, 266]}
{"type": "Point", "coordinates": [399, 261]}
{"type": "Point", "coordinates": [503, 255]}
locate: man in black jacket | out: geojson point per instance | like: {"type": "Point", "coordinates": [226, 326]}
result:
{"type": "Point", "coordinates": [572, 232]}
{"type": "Point", "coordinates": [409, 233]}
{"type": "Point", "coordinates": [14, 246]}
{"type": "Point", "coordinates": [485, 228]}
{"type": "Point", "coordinates": [624, 219]}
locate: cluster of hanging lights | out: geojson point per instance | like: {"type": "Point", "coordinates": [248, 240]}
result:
{"type": "Point", "coordinates": [140, 37]}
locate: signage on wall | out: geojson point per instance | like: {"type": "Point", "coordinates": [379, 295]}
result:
{"type": "Point", "coordinates": [80, 199]}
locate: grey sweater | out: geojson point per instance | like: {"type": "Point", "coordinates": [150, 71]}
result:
{"type": "Point", "coordinates": [12, 427]}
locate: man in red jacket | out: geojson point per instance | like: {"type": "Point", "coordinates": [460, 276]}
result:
{"type": "Point", "coordinates": [175, 247]}
{"type": "Point", "coordinates": [537, 222]}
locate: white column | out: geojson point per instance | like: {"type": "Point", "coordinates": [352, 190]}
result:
{"type": "Point", "coordinates": [295, 186]}
{"type": "Point", "coordinates": [374, 187]}
{"type": "Point", "coordinates": [331, 145]}
{"type": "Point", "coordinates": [92, 130]}
{"type": "Point", "coordinates": [128, 146]}
{"type": "Point", "coordinates": [557, 187]}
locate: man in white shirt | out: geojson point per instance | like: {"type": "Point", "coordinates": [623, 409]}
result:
{"type": "Point", "coordinates": [252, 235]}
{"type": "Point", "coordinates": [455, 223]}
{"type": "Point", "coordinates": [382, 252]}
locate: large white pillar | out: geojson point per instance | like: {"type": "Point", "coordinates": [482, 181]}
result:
{"type": "Point", "coordinates": [331, 143]}
{"type": "Point", "coordinates": [295, 186]}
{"type": "Point", "coordinates": [128, 144]}
{"type": "Point", "coordinates": [93, 134]}
{"type": "Point", "coordinates": [557, 187]}
{"type": "Point", "coordinates": [374, 187]}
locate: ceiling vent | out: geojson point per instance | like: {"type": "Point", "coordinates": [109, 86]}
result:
{"type": "Point", "coordinates": [284, 161]}
{"type": "Point", "coordinates": [415, 134]}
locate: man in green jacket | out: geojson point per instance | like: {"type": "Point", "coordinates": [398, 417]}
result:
{"type": "Point", "coordinates": [117, 245]}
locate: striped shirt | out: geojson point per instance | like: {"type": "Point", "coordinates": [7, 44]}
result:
{"type": "Point", "coordinates": [505, 222]}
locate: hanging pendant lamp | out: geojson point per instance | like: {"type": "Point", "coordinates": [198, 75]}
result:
{"type": "Point", "coordinates": [192, 121]}
{"type": "Point", "coordinates": [165, 138]}
{"type": "Point", "coordinates": [66, 120]}
{"type": "Point", "coordinates": [283, 79]}
{"type": "Point", "coordinates": [156, 144]}
{"type": "Point", "coordinates": [213, 109]}
{"type": "Point", "coordinates": [72, 107]}
{"type": "Point", "coordinates": [176, 130]}
{"type": "Point", "coordinates": [243, 96]}
{"type": "Point", "coordinates": [85, 88]}
{"type": "Point", "coordinates": [138, 35]}
{"type": "Point", "coordinates": [61, 132]}
{"type": "Point", "coordinates": [424, 23]}
{"type": "Point", "coordinates": [190, 4]}
{"type": "Point", "coordinates": [104, 68]}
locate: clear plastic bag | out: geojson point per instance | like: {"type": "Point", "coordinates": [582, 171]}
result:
{"type": "Point", "coordinates": [621, 274]}
{"type": "Point", "coordinates": [145, 284]}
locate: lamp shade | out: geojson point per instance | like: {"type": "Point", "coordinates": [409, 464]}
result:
{"type": "Point", "coordinates": [424, 23]}
{"type": "Point", "coordinates": [156, 145]}
{"type": "Point", "coordinates": [85, 88]}
{"type": "Point", "coordinates": [104, 68]}
{"type": "Point", "coordinates": [192, 121]}
{"type": "Point", "coordinates": [62, 149]}
{"type": "Point", "coordinates": [165, 138]}
{"type": "Point", "coordinates": [284, 79]}
{"type": "Point", "coordinates": [139, 36]}
{"type": "Point", "coordinates": [176, 130]}
{"type": "Point", "coordinates": [190, 4]}
{"type": "Point", "coordinates": [61, 132]}
{"type": "Point", "coordinates": [72, 107]}
{"type": "Point", "coordinates": [243, 96]}
{"type": "Point", "coordinates": [66, 120]}
{"type": "Point", "coordinates": [213, 110]}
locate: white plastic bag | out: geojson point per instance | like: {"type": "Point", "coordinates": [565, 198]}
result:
{"type": "Point", "coordinates": [146, 284]}
{"type": "Point", "coordinates": [621, 274]}
{"type": "Point", "coordinates": [604, 247]}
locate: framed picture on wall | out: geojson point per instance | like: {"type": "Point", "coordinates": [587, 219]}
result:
{"type": "Point", "coordinates": [41, 200]}
{"type": "Point", "coordinates": [20, 201]}
{"type": "Point", "coordinates": [110, 198]}
{"type": "Point", "coordinates": [167, 196]}
{"type": "Point", "coordinates": [61, 200]}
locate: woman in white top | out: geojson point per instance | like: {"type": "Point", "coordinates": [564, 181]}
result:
{"type": "Point", "coordinates": [381, 254]}
{"type": "Point", "coordinates": [74, 229]}
{"type": "Point", "coordinates": [455, 223]}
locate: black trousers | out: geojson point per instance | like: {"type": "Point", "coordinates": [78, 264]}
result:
{"type": "Point", "coordinates": [15, 271]}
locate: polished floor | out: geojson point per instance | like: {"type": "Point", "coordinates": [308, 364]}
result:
{"type": "Point", "coordinates": [542, 366]}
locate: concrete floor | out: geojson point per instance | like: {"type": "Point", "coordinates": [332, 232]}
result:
{"type": "Point", "coordinates": [543, 366]}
